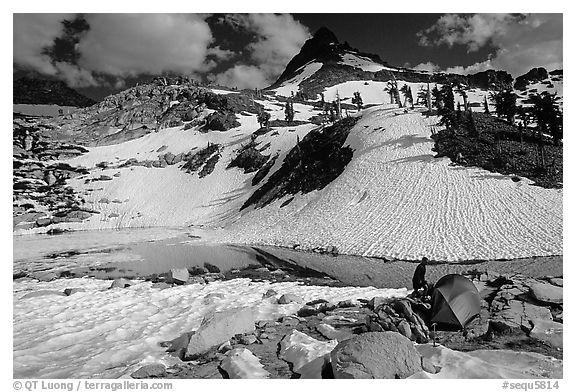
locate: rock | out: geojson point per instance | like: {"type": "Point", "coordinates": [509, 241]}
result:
{"type": "Point", "coordinates": [73, 291]}
{"type": "Point", "coordinates": [404, 328]}
{"type": "Point", "coordinates": [289, 298]}
{"type": "Point", "coordinates": [240, 363]}
{"type": "Point", "coordinates": [349, 303]}
{"type": "Point", "coordinates": [121, 283]}
{"type": "Point", "coordinates": [178, 346]}
{"type": "Point", "coordinates": [386, 355]}
{"type": "Point", "coordinates": [549, 332]}
{"type": "Point", "coordinates": [44, 276]}
{"type": "Point", "coordinates": [209, 299]}
{"type": "Point", "coordinates": [225, 347]}
{"type": "Point", "coordinates": [269, 293]}
{"type": "Point", "coordinates": [49, 178]}
{"type": "Point", "coordinates": [247, 339]}
{"type": "Point", "coordinates": [290, 321]}
{"type": "Point", "coordinates": [178, 276]}
{"type": "Point", "coordinates": [329, 332]}
{"type": "Point", "coordinates": [308, 356]}
{"type": "Point", "coordinates": [104, 200]}
{"type": "Point", "coordinates": [218, 327]}
{"type": "Point", "coordinates": [517, 316]}
{"type": "Point", "coordinates": [169, 158]}
{"type": "Point", "coordinates": [546, 292]}
{"type": "Point", "coordinates": [376, 302]}
{"type": "Point", "coordinates": [41, 293]}
{"type": "Point", "coordinates": [557, 281]}
{"type": "Point", "coordinates": [155, 370]}
{"type": "Point", "coordinates": [43, 222]}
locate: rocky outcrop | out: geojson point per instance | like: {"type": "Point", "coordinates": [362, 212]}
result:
{"type": "Point", "coordinates": [376, 355]}
{"type": "Point", "coordinates": [312, 164]}
{"type": "Point", "coordinates": [534, 75]}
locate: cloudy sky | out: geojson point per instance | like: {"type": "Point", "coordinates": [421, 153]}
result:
{"type": "Point", "coordinates": [101, 53]}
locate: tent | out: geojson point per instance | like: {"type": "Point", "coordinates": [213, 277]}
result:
{"type": "Point", "coordinates": [455, 302]}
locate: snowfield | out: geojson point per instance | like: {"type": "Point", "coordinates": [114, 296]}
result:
{"type": "Point", "coordinates": [395, 199]}
{"type": "Point", "coordinates": [101, 333]}
{"type": "Point", "coordinates": [293, 85]}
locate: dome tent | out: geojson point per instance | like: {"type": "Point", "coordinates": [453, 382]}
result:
{"type": "Point", "coordinates": [455, 302]}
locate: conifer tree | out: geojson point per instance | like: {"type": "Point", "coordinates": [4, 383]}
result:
{"type": "Point", "coordinates": [486, 108]}
{"type": "Point", "coordinates": [357, 100]}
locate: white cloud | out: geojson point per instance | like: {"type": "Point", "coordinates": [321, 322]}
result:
{"type": "Point", "coordinates": [32, 34]}
{"type": "Point", "coordinates": [132, 44]}
{"type": "Point", "coordinates": [278, 39]}
{"type": "Point", "coordinates": [242, 76]}
{"type": "Point", "coordinates": [521, 42]}
{"type": "Point", "coordinates": [75, 76]}
{"type": "Point", "coordinates": [429, 66]}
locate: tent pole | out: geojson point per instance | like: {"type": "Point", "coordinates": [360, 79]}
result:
{"type": "Point", "coordinates": [434, 337]}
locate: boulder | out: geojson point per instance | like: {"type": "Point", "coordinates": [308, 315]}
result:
{"type": "Point", "coordinates": [549, 332]}
{"type": "Point", "coordinates": [289, 298]}
{"type": "Point", "coordinates": [269, 293]}
{"type": "Point", "coordinates": [73, 291]}
{"type": "Point", "coordinates": [404, 328]}
{"type": "Point", "coordinates": [121, 283]}
{"type": "Point", "coordinates": [386, 355]}
{"type": "Point", "coordinates": [155, 370]}
{"type": "Point", "coordinates": [178, 276]}
{"type": "Point", "coordinates": [545, 292]}
{"type": "Point", "coordinates": [240, 363]}
{"type": "Point", "coordinates": [218, 327]}
{"type": "Point", "coordinates": [518, 316]}
{"type": "Point", "coordinates": [376, 302]}
{"type": "Point", "coordinates": [308, 356]}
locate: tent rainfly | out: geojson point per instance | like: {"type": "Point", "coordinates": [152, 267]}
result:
{"type": "Point", "coordinates": [455, 302]}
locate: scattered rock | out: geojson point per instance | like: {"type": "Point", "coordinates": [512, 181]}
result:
{"type": "Point", "coordinates": [386, 355]}
{"type": "Point", "coordinates": [269, 293]}
{"type": "Point", "coordinates": [155, 370]}
{"type": "Point", "coordinates": [240, 363]}
{"type": "Point", "coordinates": [329, 332]}
{"type": "Point", "coordinates": [289, 298]}
{"type": "Point", "coordinates": [546, 292]}
{"type": "Point", "coordinates": [73, 291]}
{"type": "Point", "coordinates": [404, 329]}
{"type": "Point", "coordinates": [247, 339]}
{"type": "Point", "coordinates": [308, 356]}
{"type": "Point", "coordinates": [121, 283]}
{"type": "Point", "coordinates": [178, 276]}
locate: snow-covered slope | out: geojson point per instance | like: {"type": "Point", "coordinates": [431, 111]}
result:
{"type": "Point", "coordinates": [292, 86]}
{"type": "Point", "coordinates": [395, 199]}
{"type": "Point", "coordinates": [364, 63]}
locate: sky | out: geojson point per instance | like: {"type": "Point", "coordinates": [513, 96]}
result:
{"type": "Point", "coordinates": [99, 54]}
